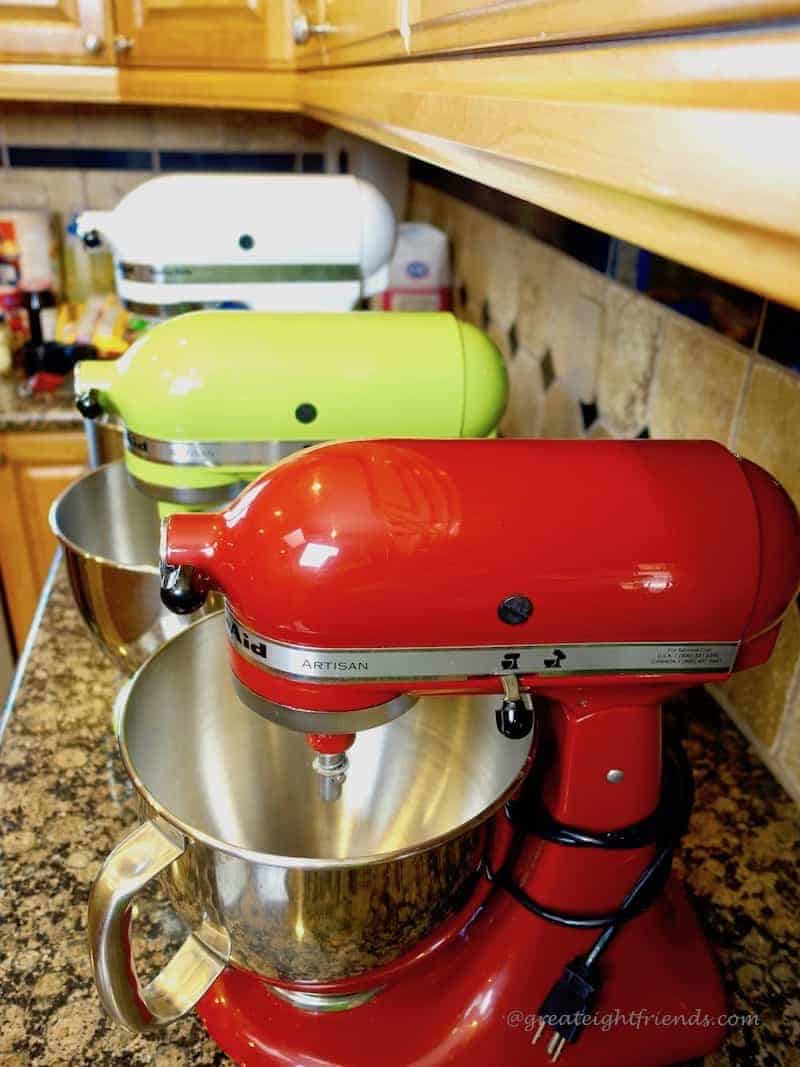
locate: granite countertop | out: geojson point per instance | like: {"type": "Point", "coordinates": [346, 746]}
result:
{"type": "Point", "coordinates": [65, 802]}
{"type": "Point", "coordinates": [45, 411]}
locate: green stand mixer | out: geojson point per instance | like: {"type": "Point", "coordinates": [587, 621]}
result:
{"type": "Point", "coordinates": [211, 399]}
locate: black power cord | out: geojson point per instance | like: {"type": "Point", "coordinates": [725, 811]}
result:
{"type": "Point", "coordinates": [576, 991]}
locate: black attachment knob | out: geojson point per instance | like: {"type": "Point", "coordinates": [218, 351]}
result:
{"type": "Point", "coordinates": [514, 719]}
{"type": "Point", "coordinates": [88, 405]}
{"type": "Point", "coordinates": [178, 593]}
{"type": "Point", "coordinates": [515, 610]}
{"type": "Point", "coordinates": [92, 239]}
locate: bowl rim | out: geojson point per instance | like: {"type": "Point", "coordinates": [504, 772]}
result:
{"type": "Point", "coordinates": [193, 834]}
{"type": "Point", "coordinates": [55, 525]}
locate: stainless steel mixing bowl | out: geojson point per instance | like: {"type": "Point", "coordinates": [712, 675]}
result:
{"type": "Point", "coordinates": [268, 875]}
{"type": "Point", "coordinates": [110, 535]}
{"type": "Point", "coordinates": [105, 437]}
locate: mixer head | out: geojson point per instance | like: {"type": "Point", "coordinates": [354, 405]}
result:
{"type": "Point", "coordinates": [358, 576]}
{"type": "Point", "coordinates": [211, 399]}
{"type": "Point", "coordinates": [277, 242]}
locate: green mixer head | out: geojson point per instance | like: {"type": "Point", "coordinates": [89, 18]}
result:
{"type": "Point", "coordinates": [211, 399]}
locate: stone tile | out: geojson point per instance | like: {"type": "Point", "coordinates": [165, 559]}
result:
{"type": "Point", "coordinates": [598, 432]}
{"type": "Point", "coordinates": [562, 415]}
{"type": "Point", "coordinates": [188, 128]}
{"type": "Point", "coordinates": [241, 131]}
{"type": "Point", "coordinates": [59, 191]}
{"type": "Point", "coordinates": [248, 131]}
{"type": "Point", "coordinates": [576, 343]}
{"type": "Point", "coordinates": [697, 382]}
{"type": "Point", "coordinates": [768, 423]}
{"type": "Point", "coordinates": [504, 258]}
{"type": "Point", "coordinates": [500, 338]}
{"type": "Point", "coordinates": [535, 298]}
{"type": "Point", "coordinates": [627, 357]}
{"type": "Point", "coordinates": [760, 695]}
{"type": "Point", "coordinates": [425, 204]}
{"type": "Point", "coordinates": [472, 253]}
{"type": "Point", "coordinates": [525, 410]}
{"type": "Point", "coordinates": [39, 124]}
{"type": "Point", "coordinates": [105, 188]}
{"type": "Point", "coordinates": [109, 126]}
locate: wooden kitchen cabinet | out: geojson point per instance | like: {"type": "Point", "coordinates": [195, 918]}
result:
{"type": "Point", "coordinates": [204, 34]}
{"type": "Point", "coordinates": [454, 25]}
{"type": "Point", "coordinates": [56, 31]}
{"type": "Point", "coordinates": [352, 31]}
{"type": "Point", "coordinates": [34, 469]}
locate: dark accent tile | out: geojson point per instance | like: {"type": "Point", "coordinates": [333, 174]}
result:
{"type": "Point", "coordinates": [486, 315]}
{"type": "Point", "coordinates": [780, 338]}
{"type": "Point", "coordinates": [312, 163]}
{"type": "Point", "coordinates": [513, 340]}
{"type": "Point", "coordinates": [643, 435]}
{"type": "Point", "coordinates": [344, 162]}
{"type": "Point", "coordinates": [240, 162]}
{"type": "Point", "coordinates": [79, 158]}
{"type": "Point", "coordinates": [588, 414]}
{"type": "Point", "coordinates": [548, 370]}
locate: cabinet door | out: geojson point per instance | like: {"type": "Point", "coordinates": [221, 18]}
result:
{"type": "Point", "coordinates": [35, 468]}
{"type": "Point", "coordinates": [56, 31]}
{"type": "Point", "coordinates": [452, 25]}
{"type": "Point", "coordinates": [359, 30]}
{"type": "Point", "coordinates": [308, 32]}
{"type": "Point", "coordinates": [231, 34]}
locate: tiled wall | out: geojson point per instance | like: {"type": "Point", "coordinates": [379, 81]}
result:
{"type": "Point", "coordinates": [590, 357]}
{"type": "Point", "coordinates": [65, 158]}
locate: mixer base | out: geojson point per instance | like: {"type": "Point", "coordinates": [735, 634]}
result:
{"type": "Point", "coordinates": [473, 1003]}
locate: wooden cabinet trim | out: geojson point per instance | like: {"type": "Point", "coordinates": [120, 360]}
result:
{"type": "Point", "coordinates": [666, 143]}
{"type": "Point", "coordinates": [455, 25]}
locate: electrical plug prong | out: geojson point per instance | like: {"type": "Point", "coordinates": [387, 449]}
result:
{"type": "Point", "coordinates": [556, 1047]}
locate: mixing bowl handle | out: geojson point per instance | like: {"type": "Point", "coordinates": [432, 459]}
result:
{"type": "Point", "coordinates": [138, 858]}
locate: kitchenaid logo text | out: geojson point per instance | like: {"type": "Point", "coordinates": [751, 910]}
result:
{"type": "Point", "coordinates": [258, 647]}
{"type": "Point", "coordinates": [136, 444]}
{"type": "Point", "coordinates": [242, 637]}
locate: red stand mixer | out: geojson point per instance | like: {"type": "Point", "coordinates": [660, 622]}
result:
{"type": "Point", "coordinates": [582, 582]}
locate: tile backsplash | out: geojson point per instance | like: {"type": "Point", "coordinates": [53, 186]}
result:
{"type": "Point", "coordinates": [590, 356]}
{"type": "Point", "coordinates": [65, 158]}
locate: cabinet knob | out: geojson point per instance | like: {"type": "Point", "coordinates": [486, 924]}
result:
{"type": "Point", "coordinates": [122, 44]}
{"type": "Point", "coordinates": [303, 30]}
{"type": "Point", "coordinates": [93, 44]}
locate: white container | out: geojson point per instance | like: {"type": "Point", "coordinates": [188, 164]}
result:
{"type": "Point", "coordinates": [419, 272]}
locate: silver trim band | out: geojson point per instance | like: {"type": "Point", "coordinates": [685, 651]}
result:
{"type": "Point", "coordinates": [184, 494]}
{"type": "Point", "coordinates": [232, 273]}
{"type": "Point", "coordinates": [212, 453]}
{"type": "Point", "coordinates": [322, 722]}
{"type": "Point", "coordinates": [166, 311]}
{"type": "Point", "coordinates": [382, 664]}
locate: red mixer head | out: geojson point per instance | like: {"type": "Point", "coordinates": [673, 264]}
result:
{"type": "Point", "coordinates": [360, 575]}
